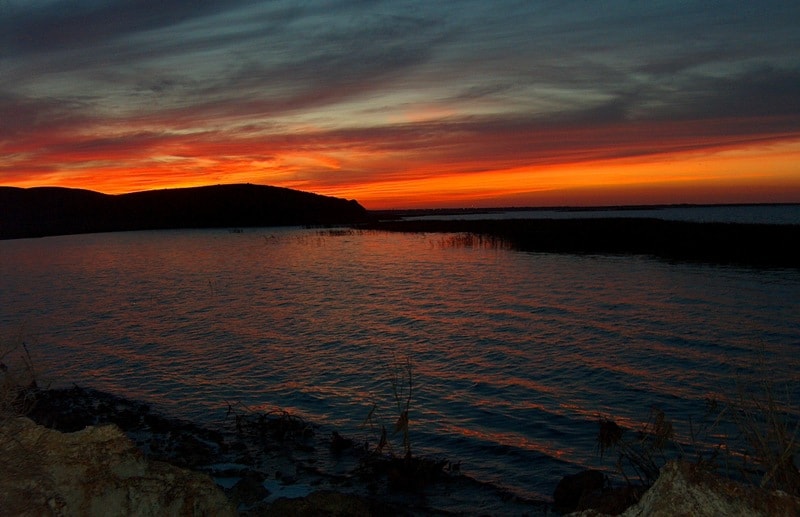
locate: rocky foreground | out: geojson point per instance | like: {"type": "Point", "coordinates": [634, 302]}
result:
{"type": "Point", "coordinates": [84, 452]}
{"type": "Point", "coordinates": [95, 471]}
{"type": "Point", "coordinates": [80, 449]}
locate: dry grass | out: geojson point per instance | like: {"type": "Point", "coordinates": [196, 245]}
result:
{"type": "Point", "coordinates": [401, 380]}
{"type": "Point", "coordinates": [756, 430]}
{"type": "Point", "coordinates": [18, 379]}
{"type": "Point", "coordinates": [641, 452]}
{"type": "Point", "coordinates": [21, 460]}
{"type": "Point", "coordinates": [405, 472]}
{"type": "Point", "coordinates": [276, 424]}
{"type": "Point", "coordinates": [769, 427]}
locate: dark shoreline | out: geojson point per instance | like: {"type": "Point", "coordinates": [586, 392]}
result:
{"type": "Point", "coordinates": [45, 211]}
{"type": "Point", "coordinates": [394, 214]}
{"type": "Point", "coordinates": [737, 244]}
{"type": "Point", "coordinates": [249, 451]}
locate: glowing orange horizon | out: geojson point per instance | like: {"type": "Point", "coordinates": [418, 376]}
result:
{"type": "Point", "coordinates": [461, 171]}
{"type": "Point", "coordinates": [448, 107]}
{"type": "Point", "coordinates": [753, 174]}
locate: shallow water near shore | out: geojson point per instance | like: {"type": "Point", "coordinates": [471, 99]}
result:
{"type": "Point", "coordinates": [514, 356]}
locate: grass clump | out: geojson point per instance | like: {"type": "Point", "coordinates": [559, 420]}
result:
{"type": "Point", "coordinates": [278, 425]}
{"type": "Point", "coordinates": [401, 379]}
{"type": "Point", "coordinates": [17, 381]}
{"type": "Point", "coordinates": [769, 427]}
{"type": "Point", "coordinates": [644, 452]}
{"type": "Point", "coordinates": [403, 471]}
{"type": "Point", "coordinates": [753, 436]}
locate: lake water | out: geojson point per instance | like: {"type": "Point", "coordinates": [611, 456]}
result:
{"type": "Point", "coordinates": [514, 356]}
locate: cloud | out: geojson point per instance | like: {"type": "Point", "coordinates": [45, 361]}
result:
{"type": "Point", "coordinates": [766, 93]}
{"type": "Point", "coordinates": [271, 59]}
{"type": "Point", "coordinates": [386, 89]}
{"type": "Point", "coordinates": [64, 24]}
{"type": "Point", "coordinates": [757, 92]}
{"type": "Point", "coordinates": [23, 117]}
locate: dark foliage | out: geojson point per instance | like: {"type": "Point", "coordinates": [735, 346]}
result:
{"type": "Point", "coordinates": [277, 425]}
{"type": "Point", "coordinates": [408, 473]}
{"type": "Point", "coordinates": [643, 452]}
{"type": "Point", "coordinates": [760, 245]}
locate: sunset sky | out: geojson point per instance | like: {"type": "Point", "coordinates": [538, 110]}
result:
{"type": "Point", "coordinates": [403, 104]}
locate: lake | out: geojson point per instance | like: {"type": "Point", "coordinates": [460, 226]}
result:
{"type": "Point", "coordinates": [514, 356]}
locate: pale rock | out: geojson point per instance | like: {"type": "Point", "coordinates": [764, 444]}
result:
{"type": "Point", "coordinates": [95, 472]}
{"type": "Point", "coordinates": [682, 489]}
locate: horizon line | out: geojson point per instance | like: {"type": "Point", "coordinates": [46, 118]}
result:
{"type": "Point", "coordinates": [459, 209]}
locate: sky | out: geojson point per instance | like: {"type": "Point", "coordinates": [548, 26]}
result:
{"type": "Point", "coordinates": [407, 104]}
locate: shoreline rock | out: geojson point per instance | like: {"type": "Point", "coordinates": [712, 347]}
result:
{"type": "Point", "coordinates": [266, 463]}
{"type": "Point", "coordinates": [685, 489]}
{"type": "Point", "coordinates": [113, 456]}
{"type": "Point", "coordinates": [96, 471]}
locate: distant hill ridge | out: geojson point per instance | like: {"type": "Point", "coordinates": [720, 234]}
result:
{"type": "Point", "coordinates": [41, 211]}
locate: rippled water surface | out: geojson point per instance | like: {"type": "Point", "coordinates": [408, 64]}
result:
{"type": "Point", "coordinates": [513, 355]}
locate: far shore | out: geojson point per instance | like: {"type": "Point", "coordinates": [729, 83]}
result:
{"type": "Point", "coordinates": [755, 245]}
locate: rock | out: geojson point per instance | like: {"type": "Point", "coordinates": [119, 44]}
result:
{"type": "Point", "coordinates": [249, 489]}
{"type": "Point", "coordinates": [190, 452]}
{"type": "Point", "coordinates": [95, 471]}
{"type": "Point", "coordinates": [685, 489]}
{"type": "Point", "coordinates": [324, 502]}
{"type": "Point", "coordinates": [339, 443]}
{"type": "Point", "coordinates": [174, 441]}
{"type": "Point", "coordinates": [575, 492]}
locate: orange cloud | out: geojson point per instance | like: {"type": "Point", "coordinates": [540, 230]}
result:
{"type": "Point", "coordinates": [755, 173]}
{"type": "Point", "coordinates": [432, 161]}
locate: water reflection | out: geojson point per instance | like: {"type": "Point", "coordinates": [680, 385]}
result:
{"type": "Point", "coordinates": [515, 355]}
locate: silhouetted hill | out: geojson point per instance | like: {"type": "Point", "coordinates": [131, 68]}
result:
{"type": "Point", "coordinates": [41, 211]}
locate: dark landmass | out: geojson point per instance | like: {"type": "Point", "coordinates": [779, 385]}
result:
{"type": "Point", "coordinates": [394, 214]}
{"type": "Point", "coordinates": [759, 245]}
{"type": "Point", "coordinates": [42, 211]}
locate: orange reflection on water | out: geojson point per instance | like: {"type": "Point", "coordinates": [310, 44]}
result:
{"type": "Point", "coordinates": [509, 438]}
